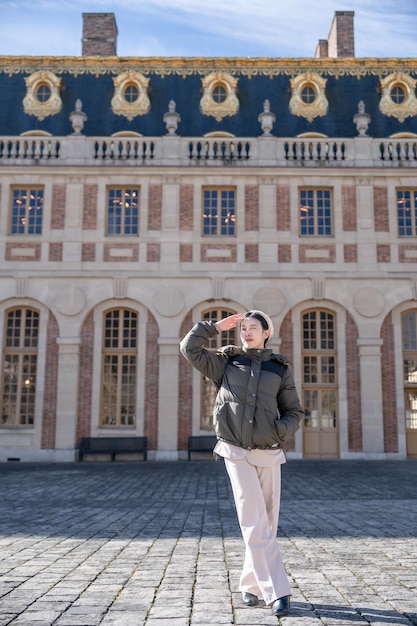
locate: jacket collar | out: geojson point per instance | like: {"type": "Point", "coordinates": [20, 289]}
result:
{"type": "Point", "coordinates": [264, 354]}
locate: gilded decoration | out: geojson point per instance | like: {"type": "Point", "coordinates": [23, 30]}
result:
{"type": "Point", "coordinates": [201, 66]}
{"type": "Point", "coordinates": [130, 95]}
{"type": "Point", "coordinates": [308, 97]}
{"type": "Point", "coordinates": [42, 95]}
{"type": "Point", "coordinates": [398, 96]}
{"type": "Point", "coordinates": [219, 96]}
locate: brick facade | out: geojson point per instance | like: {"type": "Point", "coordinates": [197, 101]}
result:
{"type": "Point", "coordinates": [59, 196]}
{"type": "Point", "coordinates": [55, 252]}
{"type": "Point", "coordinates": [186, 207]}
{"type": "Point", "coordinates": [353, 386]}
{"type": "Point", "coordinates": [251, 253]}
{"type": "Point", "coordinates": [208, 253]}
{"type": "Point", "coordinates": [350, 253]}
{"type": "Point", "coordinates": [251, 207]}
{"type": "Point", "coordinates": [29, 252]}
{"type": "Point", "coordinates": [287, 349]}
{"type": "Point", "coordinates": [99, 34]}
{"type": "Point", "coordinates": [121, 252]}
{"type": "Point", "coordinates": [90, 207]}
{"type": "Point", "coordinates": [316, 253]}
{"type": "Point", "coordinates": [383, 253]}
{"type": "Point", "coordinates": [284, 253]}
{"type": "Point", "coordinates": [389, 390]}
{"type": "Point", "coordinates": [150, 417]}
{"type": "Point", "coordinates": [155, 207]}
{"type": "Point", "coordinates": [153, 252]}
{"type": "Point", "coordinates": [51, 385]}
{"type": "Point", "coordinates": [88, 252]}
{"type": "Point", "coordinates": [85, 385]}
{"type": "Point", "coordinates": [349, 210]}
{"type": "Point", "coordinates": [185, 392]}
{"type": "Point", "coordinates": [381, 211]}
{"type": "Point", "coordinates": [283, 208]}
{"type": "Point", "coordinates": [186, 252]}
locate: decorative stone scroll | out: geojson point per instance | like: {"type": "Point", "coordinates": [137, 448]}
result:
{"type": "Point", "coordinates": [406, 106]}
{"type": "Point", "coordinates": [42, 95]}
{"type": "Point", "coordinates": [130, 95]}
{"type": "Point", "coordinates": [226, 103]}
{"type": "Point", "coordinates": [316, 104]}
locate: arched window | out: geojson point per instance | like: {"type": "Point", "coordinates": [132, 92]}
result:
{"type": "Point", "coordinates": [320, 384]}
{"type": "Point", "coordinates": [119, 367]}
{"type": "Point", "coordinates": [208, 390]}
{"type": "Point", "coordinates": [409, 345]}
{"type": "Point", "coordinates": [20, 356]}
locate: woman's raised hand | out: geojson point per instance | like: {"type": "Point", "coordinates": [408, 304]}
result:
{"type": "Point", "coordinates": [229, 322]}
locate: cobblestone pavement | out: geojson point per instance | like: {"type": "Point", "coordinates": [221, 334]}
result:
{"type": "Point", "coordinates": [158, 544]}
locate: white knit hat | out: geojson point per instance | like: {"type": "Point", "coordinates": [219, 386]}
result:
{"type": "Point", "coordinates": [266, 318]}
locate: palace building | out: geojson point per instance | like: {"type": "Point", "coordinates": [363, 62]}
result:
{"type": "Point", "coordinates": [140, 195]}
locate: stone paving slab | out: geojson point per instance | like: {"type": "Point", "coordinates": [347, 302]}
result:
{"type": "Point", "coordinates": [158, 544]}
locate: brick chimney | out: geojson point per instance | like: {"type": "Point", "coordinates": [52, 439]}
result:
{"type": "Point", "coordinates": [341, 39]}
{"type": "Point", "coordinates": [99, 34]}
{"type": "Point", "coordinates": [322, 49]}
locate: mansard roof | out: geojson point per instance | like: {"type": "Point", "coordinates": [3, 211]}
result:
{"type": "Point", "coordinates": [348, 81]}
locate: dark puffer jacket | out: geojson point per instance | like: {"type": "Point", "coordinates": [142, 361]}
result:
{"type": "Point", "coordinates": [257, 405]}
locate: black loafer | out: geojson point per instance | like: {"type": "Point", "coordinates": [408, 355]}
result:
{"type": "Point", "coordinates": [281, 606]}
{"type": "Point", "coordinates": [249, 598]}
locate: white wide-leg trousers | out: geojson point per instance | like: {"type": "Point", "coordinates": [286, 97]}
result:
{"type": "Point", "coordinates": [257, 493]}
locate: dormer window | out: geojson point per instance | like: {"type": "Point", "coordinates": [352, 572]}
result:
{"type": "Point", "coordinates": [43, 92]}
{"type": "Point", "coordinates": [131, 92]}
{"type": "Point", "coordinates": [308, 94]}
{"type": "Point", "coordinates": [219, 97]}
{"type": "Point", "coordinates": [42, 95]}
{"type": "Point", "coordinates": [398, 96]}
{"type": "Point", "coordinates": [219, 93]}
{"type": "Point", "coordinates": [130, 95]}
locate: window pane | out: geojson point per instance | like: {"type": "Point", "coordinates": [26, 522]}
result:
{"type": "Point", "coordinates": [319, 370]}
{"type": "Point", "coordinates": [310, 369]}
{"type": "Point", "coordinates": [411, 410]}
{"type": "Point", "coordinates": [20, 368]}
{"type": "Point", "coordinates": [315, 212]}
{"type": "Point", "coordinates": [118, 395]}
{"type": "Point", "coordinates": [410, 370]}
{"type": "Point", "coordinates": [328, 408]}
{"type": "Point", "coordinates": [311, 411]}
{"type": "Point", "coordinates": [409, 331]}
{"type": "Point", "coordinates": [27, 210]}
{"type": "Point", "coordinates": [122, 211]}
{"type": "Point", "coordinates": [309, 331]}
{"type": "Point", "coordinates": [219, 212]}
{"type": "Point", "coordinates": [210, 213]}
{"type": "Point", "coordinates": [228, 213]}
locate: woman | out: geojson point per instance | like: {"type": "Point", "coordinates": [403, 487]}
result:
{"type": "Point", "coordinates": [256, 409]}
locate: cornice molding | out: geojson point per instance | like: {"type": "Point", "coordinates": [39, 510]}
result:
{"type": "Point", "coordinates": [189, 66]}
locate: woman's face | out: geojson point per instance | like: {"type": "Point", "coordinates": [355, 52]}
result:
{"type": "Point", "coordinates": [252, 334]}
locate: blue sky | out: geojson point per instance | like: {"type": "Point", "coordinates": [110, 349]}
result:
{"type": "Point", "coordinates": [238, 28]}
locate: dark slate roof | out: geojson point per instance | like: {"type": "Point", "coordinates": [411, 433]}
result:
{"type": "Point", "coordinates": [90, 79]}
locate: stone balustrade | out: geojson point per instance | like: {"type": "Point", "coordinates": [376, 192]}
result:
{"type": "Point", "coordinates": [176, 151]}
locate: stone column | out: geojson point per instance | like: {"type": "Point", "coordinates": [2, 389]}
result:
{"type": "Point", "coordinates": [168, 399]}
{"type": "Point", "coordinates": [68, 372]}
{"type": "Point", "coordinates": [371, 396]}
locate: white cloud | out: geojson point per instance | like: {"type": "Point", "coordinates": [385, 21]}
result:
{"type": "Point", "coordinates": [194, 27]}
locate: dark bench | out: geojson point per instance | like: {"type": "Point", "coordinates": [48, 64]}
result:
{"type": "Point", "coordinates": [201, 443]}
{"type": "Point", "coordinates": [113, 446]}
